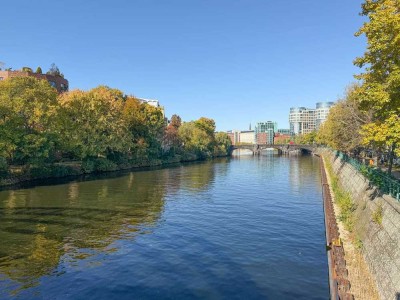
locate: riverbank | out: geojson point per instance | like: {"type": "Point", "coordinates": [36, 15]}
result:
{"type": "Point", "coordinates": [19, 175]}
{"type": "Point", "coordinates": [362, 284]}
{"type": "Point", "coordinates": [371, 221]}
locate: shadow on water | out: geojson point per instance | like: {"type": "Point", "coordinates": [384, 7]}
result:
{"type": "Point", "coordinates": [46, 227]}
{"type": "Point", "coordinates": [106, 175]}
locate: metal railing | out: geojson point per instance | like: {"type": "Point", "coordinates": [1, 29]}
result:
{"type": "Point", "coordinates": [386, 184]}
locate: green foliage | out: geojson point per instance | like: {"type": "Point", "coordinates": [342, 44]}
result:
{"type": "Point", "coordinates": [380, 90]}
{"type": "Point", "coordinates": [102, 127]}
{"type": "Point", "coordinates": [197, 137]}
{"type": "Point", "coordinates": [306, 139]}
{"type": "Point", "coordinates": [341, 130]}
{"type": "Point", "coordinates": [3, 167]}
{"type": "Point", "coordinates": [223, 144]}
{"type": "Point", "coordinates": [39, 70]}
{"type": "Point", "coordinates": [49, 171]}
{"type": "Point", "coordinates": [146, 125]}
{"type": "Point", "coordinates": [26, 69]}
{"type": "Point", "coordinates": [26, 113]}
{"type": "Point", "coordinates": [358, 243]}
{"type": "Point", "coordinates": [377, 215]}
{"type": "Point", "coordinates": [92, 123]}
{"type": "Point", "coordinates": [342, 199]}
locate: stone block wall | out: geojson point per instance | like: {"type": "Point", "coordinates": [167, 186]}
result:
{"type": "Point", "coordinates": [381, 242]}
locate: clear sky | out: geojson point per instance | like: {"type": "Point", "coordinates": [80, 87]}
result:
{"type": "Point", "coordinates": [236, 61]}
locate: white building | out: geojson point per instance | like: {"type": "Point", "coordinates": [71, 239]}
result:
{"type": "Point", "coordinates": [247, 137]}
{"type": "Point", "coordinates": [301, 120]}
{"type": "Point", "coordinates": [304, 120]}
{"type": "Point", "coordinates": [151, 102]}
{"type": "Point", "coordinates": [321, 113]}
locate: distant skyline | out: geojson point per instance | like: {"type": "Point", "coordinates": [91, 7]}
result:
{"type": "Point", "coordinates": [236, 61]}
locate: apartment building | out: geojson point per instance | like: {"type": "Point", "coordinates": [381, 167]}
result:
{"type": "Point", "coordinates": [58, 82]}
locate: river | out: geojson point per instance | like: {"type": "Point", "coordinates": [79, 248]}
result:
{"type": "Point", "coordinates": [234, 228]}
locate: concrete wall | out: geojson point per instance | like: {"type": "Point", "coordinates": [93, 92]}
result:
{"type": "Point", "coordinates": [381, 242]}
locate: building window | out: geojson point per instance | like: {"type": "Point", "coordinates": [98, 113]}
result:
{"type": "Point", "coordinates": [64, 87]}
{"type": "Point", "coordinates": [1, 78]}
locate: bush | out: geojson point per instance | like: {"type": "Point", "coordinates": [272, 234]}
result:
{"type": "Point", "coordinates": [88, 166]}
{"type": "Point", "coordinates": [47, 171]}
{"type": "Point", "coordinates": [3, 167]}
{"type": "Point", "coordinates": [104, 165]}
{"type": "Point", "coordinates": [99, 164]}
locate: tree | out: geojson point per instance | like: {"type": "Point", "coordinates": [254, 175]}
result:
{"type": "Point", "coordinates": [172, 142]}
{"type": "Point", "coordinates": [342, 128]}
{"type": "Point", "coordinates": [92, 124]}
{"type": "Point", "coordinates": [54, 70]}
{"type": "Point", "coordinates": [223, 144]}
{"type": "Point", "coordinates": [27, 69]}
{"type": "Point", "coordinates": [146, 124]}
{"type": "Point", "coordinates": [39, 70]}
{"type": "Point", "coordinates": [198, 137]}
{"type": "Point", "coordinates": [26, 114]}
{"type": "Point", "coordinates": [380, 90]}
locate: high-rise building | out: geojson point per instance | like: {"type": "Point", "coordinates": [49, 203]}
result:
{"type": "Point", "coordinates": [305, 120]}
{"type": "Point", "coordinates": [322, 112]}
{"type": "Point", "coordinates": [301, 120]}
{"type": "Point", "coordinates": [265, 131]}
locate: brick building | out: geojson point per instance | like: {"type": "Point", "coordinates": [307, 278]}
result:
{"type": "Point", "coordinates": [58, 82]}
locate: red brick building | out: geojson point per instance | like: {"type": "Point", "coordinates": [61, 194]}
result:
{"type": "Point", "coordinates": [58, 82]}
{"type": "Point", "coordinates": [263, 138]}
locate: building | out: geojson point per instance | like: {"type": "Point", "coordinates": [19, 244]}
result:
{"type": "Point", "coordinates": [247, 137]}
{"type": "Point", "coordinates": [284, 131]}
{"type": "Point", "coordinates": [152, 102]}
{"type": "Point", "coordinates": [301, 120]}
{"type": "Point", "coordinates": [321, 113]}
{"type": "Point", "coordinates": [304, 120]}
{"type": "Point", "coordinates": [58, 82]}
{"type": "Point", "coordinates": [265, 132]}
{"type": "Point", "coordinates": [234, 135]}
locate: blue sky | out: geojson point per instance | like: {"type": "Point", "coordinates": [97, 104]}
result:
{"type": "Point", "coordinates": [236, 61]}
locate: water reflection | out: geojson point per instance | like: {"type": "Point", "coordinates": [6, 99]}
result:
{"type": "Point", "coordinates": [44, 227]}
{"type": "Point", "coordinates": [41, 226]}
{"type": "Point", "coordinates": [209, 230]}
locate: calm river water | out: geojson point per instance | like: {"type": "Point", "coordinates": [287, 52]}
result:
{"type": "Point", "coordinates": [241, 228]}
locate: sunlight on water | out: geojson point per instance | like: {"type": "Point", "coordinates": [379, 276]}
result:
{"type": "Point", "coordinates": [247, 227]}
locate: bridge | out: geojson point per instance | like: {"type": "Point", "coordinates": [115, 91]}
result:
{"type": "Point", "coordinates": [282, 148]}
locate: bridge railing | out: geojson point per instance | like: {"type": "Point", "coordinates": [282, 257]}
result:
{"type": "Point", "coordinates": [386, 184]}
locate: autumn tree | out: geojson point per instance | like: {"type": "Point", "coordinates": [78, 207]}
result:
{"type": "Point", "coordinates": [198, 137]}
{"type": "Point", "coordinates": [146, 124]}
{"type": "Point", "coordinates": [342, 128]}
{"type": "Point", "coordinates": [92, 123]}
{"type": "Point", "coordinates": [380, 89]}
{"type": "Point", "coordinates": [172, 142]}
{"type": "Point", "coordinates": [223, 144]}
{"type": "Point", "coordinates": [27, 108]}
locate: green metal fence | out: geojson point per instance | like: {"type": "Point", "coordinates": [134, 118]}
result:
{"type": "Point", "coordinates": [386, 184]}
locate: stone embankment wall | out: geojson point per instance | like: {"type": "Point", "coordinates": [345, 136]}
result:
{"type": "Point", "coordinates": [377, 225]}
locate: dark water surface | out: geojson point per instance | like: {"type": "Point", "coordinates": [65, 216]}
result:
{"type": "Point", "coordinates": [241, 228]}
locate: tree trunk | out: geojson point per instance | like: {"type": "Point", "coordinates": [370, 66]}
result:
{"type": "Point", "coordinates": [391, 155]}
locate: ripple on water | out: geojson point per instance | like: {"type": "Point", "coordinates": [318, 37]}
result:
{"type": "Point", "coordinates": [245, 228]}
